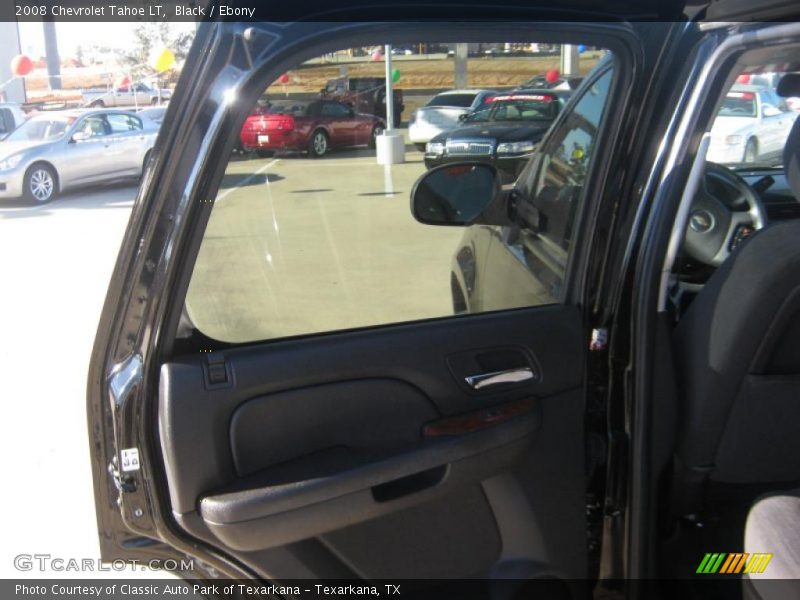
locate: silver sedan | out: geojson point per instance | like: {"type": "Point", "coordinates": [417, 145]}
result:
{"type": "Point", "coordinates": [56, 151]}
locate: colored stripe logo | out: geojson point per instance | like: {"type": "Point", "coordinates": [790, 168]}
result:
{"type": "Point", "coordinates": [735, 563]}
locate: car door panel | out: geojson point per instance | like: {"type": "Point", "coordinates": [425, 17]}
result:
{"type": "Point", "coordinates": [284, 454]}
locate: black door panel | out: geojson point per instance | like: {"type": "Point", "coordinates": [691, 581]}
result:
{"type": "Point", "coordinates": [315, 437]}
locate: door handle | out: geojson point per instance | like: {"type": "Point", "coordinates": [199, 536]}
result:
{"type": "Point", "coordinates": [484, 380]}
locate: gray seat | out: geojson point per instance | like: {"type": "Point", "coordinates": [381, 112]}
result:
{"type": "Point", "coordinates": [737, 350]}
{"type": "Point", "coordinates": [773, 527]}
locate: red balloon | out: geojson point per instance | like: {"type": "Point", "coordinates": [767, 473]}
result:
{"type": "Point", "coordinates": [552, 75]}
{"type": "Point", "coordinates": [123, 82]}
{"type": "Point", "coordinates": [743, 78]}
{"type": "Point", "coordinates": [284, 78]}
{"type": "Point", "coordinates": [21, 65]}
{"type": "Point", "coordinates": [376, 56]}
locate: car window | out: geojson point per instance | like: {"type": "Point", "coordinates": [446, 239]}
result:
{"type": "Point", "coordinates": [123, 123]}
{"type": "Point", "coordinates": [296, 109]}
{"type": "Point", "coordinates": [309, 234]}
{"type": "Point", "coordinates": [333, 109]}
{"type": "Point", "coordinates": [457, 100]}
{"type": "Point", "coordinates": [94, 125]}
{"type": "Point", "coordinates": [738, 104]}
{"type": "Point", "coordinates": [6, 121]}
{"type": "Point", "coordinates": [566, 159]}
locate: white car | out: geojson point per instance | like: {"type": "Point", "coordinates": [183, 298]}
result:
{"type": "Point", "coordinates": [441, 114]}
{"type": "Point", "coordinates": [753, 123]}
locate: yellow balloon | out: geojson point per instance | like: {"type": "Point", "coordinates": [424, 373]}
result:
{"type": "Point", "coordinates": [164, 61]}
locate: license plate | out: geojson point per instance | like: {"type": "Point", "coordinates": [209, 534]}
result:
{"type": "Point", "coordinates": [263, 139]}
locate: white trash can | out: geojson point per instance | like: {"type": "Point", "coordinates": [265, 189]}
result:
{"type": "Point", "coordinates": [391, 148]}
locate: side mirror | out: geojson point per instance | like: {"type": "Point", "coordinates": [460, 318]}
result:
{"type": "Point", "coordinates": [460, 194]}
{"type": "Point", "coordinates": [462, 117]}
{"type": "Point", "coordinates": [770, 111]}
{"type": "Point", "coordinates": [79, 136]}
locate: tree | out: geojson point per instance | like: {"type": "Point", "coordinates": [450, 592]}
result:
{"type": "Point", "coordinates": [151, 36]}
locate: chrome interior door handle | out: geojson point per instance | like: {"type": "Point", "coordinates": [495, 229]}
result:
{"type": "Point", "coordinates": [484, 380]}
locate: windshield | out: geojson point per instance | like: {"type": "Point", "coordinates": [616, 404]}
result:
{"type": "Point", "coordinates": [297, 109]}
{"type": "Point", "coordinates": [457, 100]}
{"type": "Point", "coordinates": [538, 107]}
{"type": "Point", "coordinates": [738, 104]}
{"type": "Point", "coordinates": [41, 129]}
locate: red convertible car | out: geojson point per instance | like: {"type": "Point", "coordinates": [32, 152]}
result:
{"type": "Point", "coordinates": [314, 126]}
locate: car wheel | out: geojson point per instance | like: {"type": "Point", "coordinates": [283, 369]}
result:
{"type": "Point", "coordinates": [154, 102]}
{"type": "Point", "coordinates": [40, 184]}
{"type": "Point", "coordinates": [97, 104]}
{"type": "Point", "coordinates": [376, 131]}
{"type": "Point", "coordinates": [319, 143]}
{"type": "Point", "coordinates": [751, 151]}
{"type": "Point", "coordinates": [420, 147]}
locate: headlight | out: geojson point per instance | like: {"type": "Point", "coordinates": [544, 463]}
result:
{"type": "Point", "coordinates": [515, 147]}
{"type": "Point", "coordinates": [434, 148]}
{"type": "Point", "coordinates": [10, 162]}
{"type": "Point", "coordinates": [733, 140]}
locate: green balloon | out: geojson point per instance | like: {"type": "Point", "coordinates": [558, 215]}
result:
{"type": "Point", "coordinates": [395, 75]}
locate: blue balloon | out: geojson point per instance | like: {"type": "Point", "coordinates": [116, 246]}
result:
{"type": "Point", "coordinates": [582, 48]}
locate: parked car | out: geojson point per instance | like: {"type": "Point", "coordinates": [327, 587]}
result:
{"type": "Point", "coordinates": [365, 94]}
{"type": "Point", "coordinates": [56, 151]}
{"type": "Point", "coordinates": [441, 113]}
{"type": "Point", "coordinates": [313, 126]}
{"type": "Point", "coordinates": [154, 114]}
{"type": "Point", "coordinates": [560, 83]}
{"type": "Point", "coordinates": [137, 94]}
{"type": "Point", "coordinates": [11, 117]}
{"type": "Point", "coordinates": [503, 133]}
{"type": "Point", "coordinates": [752, 124]}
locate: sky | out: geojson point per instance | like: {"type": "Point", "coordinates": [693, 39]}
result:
{"type": "Point", "coordinates": [72, 35]}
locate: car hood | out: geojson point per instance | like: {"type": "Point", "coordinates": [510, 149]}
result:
{"type": "Point", "coordinates": [505, 132]}
{"type": "Point", "coordinates": [10, 148]}
{"type": "Point", "coordinates": [724, 126]}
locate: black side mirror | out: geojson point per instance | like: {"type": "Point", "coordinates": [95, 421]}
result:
{"type": "Point", "coordinates": [460, 194]}
{"type": "Point", "coordinates": [462, 117]}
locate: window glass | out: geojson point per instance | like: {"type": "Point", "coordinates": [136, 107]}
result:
{"type": "Point", "coordinates": [123, 123]}
{"type": "Point", "coordinates": [738, 104]}
{"type": "Point", "coordinates": [459, 100]}
{"type": "Point", "coordinates": [308, 233]}
{"type": "Point", "coordinates": [333, 109]}
{"type": "Point", "coordinates": [95, 126]}
{"type": "Point", "coordinates": [6, 121]}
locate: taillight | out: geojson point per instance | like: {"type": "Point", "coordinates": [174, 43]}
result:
{"type": "Point", "coordinates": [283, 123]}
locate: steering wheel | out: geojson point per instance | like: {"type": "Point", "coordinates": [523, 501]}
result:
{"type": "Point", "coordinates": [723, 208]}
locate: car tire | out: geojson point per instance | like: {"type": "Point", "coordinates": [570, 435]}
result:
{"type": "Point", "coordinates": [154, 102]}
{"type": "Point", "coordinates": [420, 147]}
{"type": "Point", "coordinates": [97, 104]}
{"type": "Point", "coordinates": [319, 144]}
{"type": "Point", "coordinates": [40, 184]}
{"type": "Point", "coordinates": [373, 138]}
{"type": "Point", "coordinates": [751, 151]}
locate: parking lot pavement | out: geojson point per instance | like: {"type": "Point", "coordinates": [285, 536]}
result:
{"type": "Point", "coordinates": [55, 262]}
{"type": "Point", "coordinates": [299, 244]}
{"type": "Point", "coordinates": [302, 245]}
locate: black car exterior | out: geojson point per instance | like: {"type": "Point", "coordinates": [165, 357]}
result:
{"type": "Point", "coordinates": [504, 134]}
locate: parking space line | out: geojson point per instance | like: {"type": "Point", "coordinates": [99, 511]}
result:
{"type": "Point", "coordinates": [247, 179]}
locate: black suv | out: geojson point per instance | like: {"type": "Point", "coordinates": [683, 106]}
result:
{"type": "Point", "coordinates": [612, 404]}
